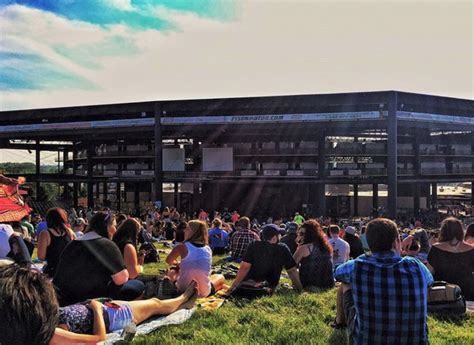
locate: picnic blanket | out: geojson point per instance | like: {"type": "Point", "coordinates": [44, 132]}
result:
{"type": "Point", "coordinates": [228, 270]}
{"type": "Point", "coordinates": [211, 302]}
{"type": "Point", "coordinates": [176, 318]}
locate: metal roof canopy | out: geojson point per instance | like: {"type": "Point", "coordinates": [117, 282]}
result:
{"type": "Point", "coordinates": [143, 112]}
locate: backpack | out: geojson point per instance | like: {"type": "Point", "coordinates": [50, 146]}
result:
{"type": "Point", "coordinates": [446, 299]}
{"type": "Point", "coordinates": [151, 253]}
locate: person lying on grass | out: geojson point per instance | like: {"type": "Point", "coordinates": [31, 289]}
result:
{"type": "Point", "coordinates": [196, 260]}
{"type": "Point", "coordinates": [31, 314]}
{"type": "Point", "coordinates": [262, 265]}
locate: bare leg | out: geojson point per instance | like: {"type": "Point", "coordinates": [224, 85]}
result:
{"type": "Point", "coordinates": [340, 317]}
{"type": "Point", "coordinates": [144, 309]}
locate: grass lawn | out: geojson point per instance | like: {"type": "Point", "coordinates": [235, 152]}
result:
{"type": "Point", "coordinates": [284, 318]}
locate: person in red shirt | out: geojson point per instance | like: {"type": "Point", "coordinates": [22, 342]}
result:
{"type": "Point", "coordinates": [203, 215]}
{"type": "Point", "coordinates": [235, 217]}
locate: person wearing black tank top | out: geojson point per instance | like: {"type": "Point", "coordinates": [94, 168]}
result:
{"type": "Point", "coordinates": [52, 242]}
{"type": "Point", "coordinates": [452, 259]}
{"type": "Point", "coordinates": [314, 256]}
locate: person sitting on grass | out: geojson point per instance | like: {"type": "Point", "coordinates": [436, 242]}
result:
{"type": "Point", "coordinates": [314, 256]}
{"type": "Point", "coordinates": [264, 261]}
{"type": "Point", "coordinates": [383, 296]}
{"type": "Point", "coordinates": [196, 260]}
{"type": "Point", "coordinates": [452, 259]}
{"type": "Point", "coordinates": [52, 242]}
{"type": "Point", "coordinates": [218, 238]}
{"type": "Point", "coordinates": [469, 237]}
{"type": "Point", "coordinates": [93, 266]}
{"type": "Point", "coordinates": [31, 315]}
{"type": "Point", "coordinates": [290, 237]}
{"type": "Point", "coordinates": [341, 249]}
{"type": "Point", "coordinates": [126, 239]}
{"type": "Point", "coordinates": [242, 238]}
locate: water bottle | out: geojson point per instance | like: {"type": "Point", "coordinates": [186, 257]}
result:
{"type": "Point", "coordinates": [129, 332]}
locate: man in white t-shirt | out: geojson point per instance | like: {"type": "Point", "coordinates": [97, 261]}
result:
{"type": "Point", "coordinates": [341, 248]}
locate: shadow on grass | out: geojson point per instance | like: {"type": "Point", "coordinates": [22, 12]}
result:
{"type": "Point", "coordinates": [338, 337]}
{"type": "Point", "coordinates": [457, 320]}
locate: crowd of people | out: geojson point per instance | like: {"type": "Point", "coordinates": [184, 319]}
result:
{"type": "Point", "coordinates": [92, 281]}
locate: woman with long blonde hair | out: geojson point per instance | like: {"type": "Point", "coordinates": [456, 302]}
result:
{"type": "Point", "coordinates": [195, 260]}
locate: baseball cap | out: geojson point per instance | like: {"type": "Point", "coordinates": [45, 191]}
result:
{"type": "Point", "coordinates": [80, 221]}
{"type": "Point", "coordinates": [292, 227]}
{"type": "Point", "coordinates": [350, 230]}
{"type": "Point", "coordinates": [269, 231]}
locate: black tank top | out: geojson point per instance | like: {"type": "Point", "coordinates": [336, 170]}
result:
{"type": "Point", "coordinates": [54, 250]}
{"type": "Point", "coordinates": [316, 269]}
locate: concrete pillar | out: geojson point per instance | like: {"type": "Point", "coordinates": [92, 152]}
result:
{"type": "Point", "coordinates": [375, 198]}
{"type": "Point", "coordinates": [105, 194]}
{"type": "Point", "coordinates": [196, 197]}
{"type": "Point", "coordinates": [176, 195]}
{"type": "Point", "coordinates": [90, 166]}
{"type": "Point", "coordinates": [65, 184]}
{"type": "Point", "coordinates": [434, 196]}
{"type": "Point", "coordinates": [392, 157]}
{"type": "Point", "coordinates": [416, 199]}
{"type": "Point", "coordinates": [119, 196]}
{"type": "Point", "coordinates": [76, 185]}
{"type": "Point", "coordinates": [321, 197]}
{"type": "Point", "coordinates": [136, 198]}
{"type": "Point", "coordinates": [356, 200]}
{"type": "Point", "coordinates": [37, 166]}
{"type": "Point", "coordinates": [158, 153]}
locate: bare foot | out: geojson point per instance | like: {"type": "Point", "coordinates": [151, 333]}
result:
{"type": "Point", "coordinates": [190, 290]}
{"type": "Point", "coordinates": [189, 304]}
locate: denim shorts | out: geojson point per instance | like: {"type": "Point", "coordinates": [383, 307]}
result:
{"type": "Point", "coordinates": [118, 316]}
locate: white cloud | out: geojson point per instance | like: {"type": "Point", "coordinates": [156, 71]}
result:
{"type": "Point", "coordinates": [273, 48]}
{"type": "Point", "coordinates": [124, 5]}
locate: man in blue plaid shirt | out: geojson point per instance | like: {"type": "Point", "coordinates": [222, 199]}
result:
{"type": "Point", "coordinates": [384, 296]}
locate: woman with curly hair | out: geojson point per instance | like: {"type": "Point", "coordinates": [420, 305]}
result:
{"type": "Point", "coordinates": [313, 256]}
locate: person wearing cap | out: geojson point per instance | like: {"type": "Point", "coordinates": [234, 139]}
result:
{"type": "Point", "coordinates": [290, 238]}
{"type": "Point", "coordinates": [383, 296]}
{"type": "Point", "coordinates": [355, 243]}
{"type": "Point", "coordinates": [264, 261]}
{"type": "Point", "coordinates": [79, 227]}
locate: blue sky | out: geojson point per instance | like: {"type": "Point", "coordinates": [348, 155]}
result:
{"type": "Point", "coordinates": [72, 52]}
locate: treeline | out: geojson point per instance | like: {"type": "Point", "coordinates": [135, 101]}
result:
{"type": "Point", "coordinates": [25, 168]}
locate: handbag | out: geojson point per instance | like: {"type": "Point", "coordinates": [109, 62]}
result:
{"type": "Point", "coordinates": [151, 253]}
{"type": "Point", "coordinates": [446, 299]}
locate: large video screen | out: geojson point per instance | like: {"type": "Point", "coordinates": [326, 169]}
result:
{"type": "Point", "coordinates": [217, 159]}
{"type": "Point", "coordinates": [173, 159]}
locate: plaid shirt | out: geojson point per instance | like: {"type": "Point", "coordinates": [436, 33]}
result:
{"type": "Point", "coordinates": [240, 242]}
{"type": "Point", "coordinates": [390, 295]}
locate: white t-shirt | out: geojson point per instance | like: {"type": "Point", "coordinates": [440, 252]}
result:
{"type": "Point", "coordinates": [5, 232]}
{"type": "Point", "coordinates": [341, 251]}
